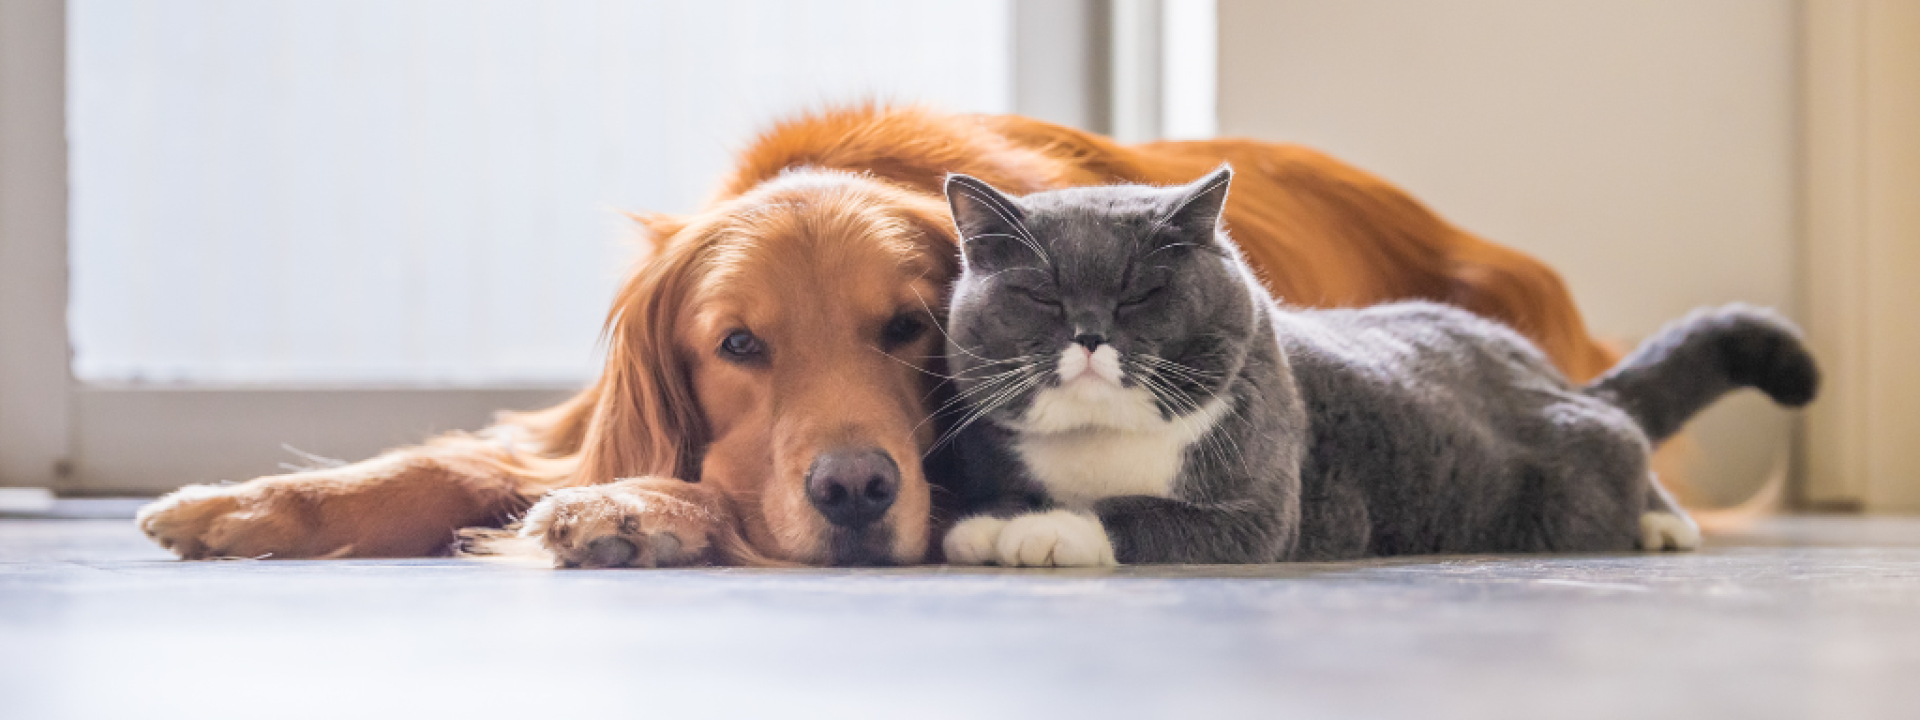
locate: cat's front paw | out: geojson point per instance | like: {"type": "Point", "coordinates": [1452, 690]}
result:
{"type": "Point", "coordinates": [1059, 538]}
{"type": "Point", "coordinates": [1668, 531]}
{"type": "Point", "coordinates": [972, 542]}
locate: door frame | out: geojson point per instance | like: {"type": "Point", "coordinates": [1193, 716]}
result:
{"type": "Point", "coordinates": [1860, 245]}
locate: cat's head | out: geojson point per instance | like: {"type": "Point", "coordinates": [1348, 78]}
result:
{"type": "Point", "coordinates": [1121, 306]}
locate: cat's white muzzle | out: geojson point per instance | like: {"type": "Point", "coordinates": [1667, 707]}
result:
{"type": "Point", "coordinates": [1090, 396]}
{"type": "Point", "coordinates": [1079, 364]}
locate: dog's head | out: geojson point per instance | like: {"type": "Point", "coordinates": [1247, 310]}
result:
{"type": "Point", "coordinates": [778, 346]}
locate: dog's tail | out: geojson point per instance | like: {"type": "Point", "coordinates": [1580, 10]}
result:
{"type": "Point", "coordinates": [1693, 361]}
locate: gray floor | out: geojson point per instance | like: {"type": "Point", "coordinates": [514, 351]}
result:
{"type": "Point", "coordinates": [1796, 617]}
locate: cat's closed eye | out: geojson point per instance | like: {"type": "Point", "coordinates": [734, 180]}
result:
{"type": "Point", "coordinates": [1040, 297]}
{"type": "Point", "coordinates": [1140, 298]}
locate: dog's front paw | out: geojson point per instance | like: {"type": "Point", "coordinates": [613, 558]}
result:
{"type": "Point", "coordinates": [616, 526]}
{"type": "Point", "coordinates": [198, 522]}
{"type": "Point", "coordinates": [1668, 531]}
{"type": "Point", "coordinates": [972, 542]}
{"type": "Point", "coordinates": [180, 520]}
{"type": "Point", "coordinates": [1060, 538]}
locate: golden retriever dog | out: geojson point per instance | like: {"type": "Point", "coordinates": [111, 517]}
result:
{"type": "Point", "coordinates": [773, 368]}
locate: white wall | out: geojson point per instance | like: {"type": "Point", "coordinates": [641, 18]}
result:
{"type": "Point", "coordinates": [425, 192]}
{"type": "Point", "coordinates": [1645, 148]}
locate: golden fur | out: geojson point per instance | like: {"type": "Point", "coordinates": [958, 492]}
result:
{"type": "Point", "coordinates": [829, 226]}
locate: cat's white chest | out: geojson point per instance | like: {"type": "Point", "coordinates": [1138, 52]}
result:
{"type": "Point", "coordinates": [1080, 468]}
{"type": "Point", "coordinates": [1089, 440]}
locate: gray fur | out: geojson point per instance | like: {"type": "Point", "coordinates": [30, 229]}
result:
{"type": "Point", "coordinates": [1405, 428]}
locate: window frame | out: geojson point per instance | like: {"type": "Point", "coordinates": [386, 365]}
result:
{"type": "Point", "coordinates": [103, 439]}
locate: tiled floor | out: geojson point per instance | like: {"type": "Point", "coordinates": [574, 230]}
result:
{"type": "Point", "coordinates": [1796, 617]}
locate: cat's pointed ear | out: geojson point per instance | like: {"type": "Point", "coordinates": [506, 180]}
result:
{"type": "Point", "coordinates": [980, 212]}
{"type": "Point", "coordinates": [1196, 215]}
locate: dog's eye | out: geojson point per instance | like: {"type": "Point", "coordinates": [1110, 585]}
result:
{"type": "Point", "coordinates": [902, 329]}
{"type": "Point", "coordinates": [741, 346]}
{"type": "Point", "coordinates": [1140, 299]}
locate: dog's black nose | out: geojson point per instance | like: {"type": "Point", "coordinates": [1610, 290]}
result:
{"type": "Point", "coordinates": [1090, 341]}
{"type": "Point", "coordinates": [853, 488]}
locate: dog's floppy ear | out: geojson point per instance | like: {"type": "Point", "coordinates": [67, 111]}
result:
{"type": "Point", "coordinates": [655, 230]}
{"type": "Point", "coordinates": [936, 227]}
{"type": "Point", "coordinates": [645, 420]}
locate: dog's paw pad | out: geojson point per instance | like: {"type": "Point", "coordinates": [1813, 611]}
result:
{"type": "Point", "coordinates": [601, 527]}
{"type": "Point", "coordinates": [1667, 531]}
{"type": "Point", "coordinates": [972, 541]}
{"type": "Point", "coordinates": [611, 551]}
{"type": "Point", "coordinates": [1059, 538]}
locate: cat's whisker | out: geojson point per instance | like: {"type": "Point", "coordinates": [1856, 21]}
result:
{"type": "Point", "coordinates": [1174, 366]}
{"type": "Point", "coordinates": [1158, 361]}
{"type": "Point", "coordinates": [1163, 248]}
{"type": "Point", "coordinates": [1021, 368]}
{"type": "Point", "coordinates": [916, 368]}
{"type": "Point", "coordinates": [1233, 412]}
{"type": "Point", "coordinates": [1022, 240]}
{"type": "Point", "coordinates": [967, 374]}
{"type": "Point", "coordinates": [989, 383]}
{"type": "Point", "coordinates": [982, 363]}
{"type": "Point", "coordinates": [988, 406]}
{"type": "Point", "coordinates": [963, 375]}
{"type": "Point", "coordinates": [1013, 361]}
{"type": "Point", "coordinates": [949, 381]}
{"type": "Point", "coordinates": [999, 379]}
{"type": "Point", "coordinates": [995, 385]}
{"type": "Point", "coordinates": [1202, 384]}
{"type": "Point", "coordinates": [983, 387]}
{"type": "Point", "coordinates": [1180, 375]}
{"type": "Point", "coordinates": [952, 343]}
{"type": "Point", "coordinates": [1189, 410]}
{"type": "Point", "coordinates": [1012, 269]}
{"type": "Point", "coordinates": [1185, 410]}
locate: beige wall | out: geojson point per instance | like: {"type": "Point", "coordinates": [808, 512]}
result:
{"type": "Point", "coordinates": [33, 261]}
{"type": "Point", "coordinates": [1645, 148]}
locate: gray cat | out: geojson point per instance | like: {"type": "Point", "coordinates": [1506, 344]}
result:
{"type": "Point", "coordinates": [1133, 395]}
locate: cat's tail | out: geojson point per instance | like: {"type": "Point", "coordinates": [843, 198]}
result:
{"type": "Point", "coordinates": [1712, 351]}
